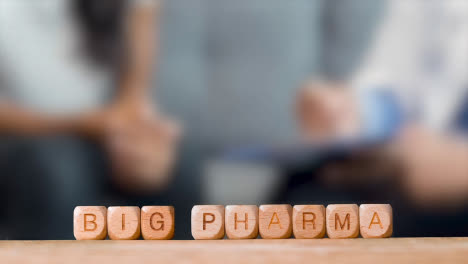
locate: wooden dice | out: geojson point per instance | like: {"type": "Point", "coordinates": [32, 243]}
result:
{"type": "Point", "coordinates": [275, 221]}
{"type": "Point", "coordinates": [308, 221]}
{"type": "Point", "coordinates": [342, 221]}
{"type": "Point", "coordinates": [157, 222]}
{"type": "Point", "coordinates": [376, 220]}
{"type": "Point", "coordinates": [208, 222]}
{"type": "Point", "coordinates": [90, 222]}
{"type": "Point", "coordinates": [241, 221]}
{"type": "Point", "coordinates": [123, 222]}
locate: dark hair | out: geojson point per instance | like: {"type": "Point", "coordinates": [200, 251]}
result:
{"type": "Point", "coordinates": [101, 23]}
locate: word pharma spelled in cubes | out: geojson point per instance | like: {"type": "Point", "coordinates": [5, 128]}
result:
{"type": "Point", "coordinates": [236, 221]}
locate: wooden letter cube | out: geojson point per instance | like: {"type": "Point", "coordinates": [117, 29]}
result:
{"type": "Point", "coordinates": [342, 221]}
{"type": "Point", "coordinates": [376, 220]}
{"type": "Point", "coordinates": [157, 222]}
{"type": "Point", "coordinates": [89, 222]}
{"type": "Point", "coordinates": [241, 221]}
{"type": "Point", "coordinates": [208, 222]}
{"type": "Point", "coordinates": [309, 221]}
{"type": "Point", "coordinates": [123, 222]}
{"type": "Point", "coordinates": [275, 221]}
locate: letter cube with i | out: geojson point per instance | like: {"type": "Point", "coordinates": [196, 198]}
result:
{"type": "Point", "coordinates": [208, 222]}
{"type": "Point", "coordinates": [309, 221]}
{"type": "Point", "coordinates": [342, 221]}
{"type": "Point", "coordinates": [90, 222]}
{"type": "Point", "coordinates": [275, 221]}
{"type": "Point", "coordinates": [157, 222]}
{"type": "Point", "coordinates": [241, 221]}
{"type": "Point", "coordinates": [123, 222]}
{"type": "Point", "coordinates": [376, 220]}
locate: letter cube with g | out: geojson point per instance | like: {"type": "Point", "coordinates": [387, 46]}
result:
{"type": "Point", "coordinates": [157, 222]}
{"type": "Point", "coordinates": [208, 222]}
{"type": "Point", "coordinates": [90, 222]}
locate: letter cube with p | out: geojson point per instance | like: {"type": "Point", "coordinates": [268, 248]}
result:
{"type": "Point", "coordinates": [208, 222]}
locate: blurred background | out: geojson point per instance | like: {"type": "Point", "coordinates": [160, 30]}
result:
{"type": "Point", "coordinates": [184, 102]}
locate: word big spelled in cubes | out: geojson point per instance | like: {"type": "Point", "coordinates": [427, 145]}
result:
{"type": "Point", "coordinates": [123, 222]}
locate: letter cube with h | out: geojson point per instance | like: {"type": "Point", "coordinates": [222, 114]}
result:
{"type": "Point", "coordinates": [241, 221]}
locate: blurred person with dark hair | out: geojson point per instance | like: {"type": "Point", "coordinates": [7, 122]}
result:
{"type": "Point", "coordinates": [49, 89]}
{"type": "Point", "coordinates": [410, 94]}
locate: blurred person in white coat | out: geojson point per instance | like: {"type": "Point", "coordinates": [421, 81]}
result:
{"type": "Point", "coordinates": [410, 93]}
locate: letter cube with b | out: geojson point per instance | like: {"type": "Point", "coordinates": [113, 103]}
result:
{"type": "Point", "coordinates": [208, 222]}
{"type": "Point", "coordinates": [90, 222]}
{"type": "Point", "coordinates": [241, 221]}
{"type": "Point", "coordinates": [342, 221]}
{"type": "Point", "coordinates": [157, 222]}
{"type": "Point", "coordinates": [376, 220]}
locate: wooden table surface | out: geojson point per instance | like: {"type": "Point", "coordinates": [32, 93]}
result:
{"type": "Point", "coordinates": [375, 251]}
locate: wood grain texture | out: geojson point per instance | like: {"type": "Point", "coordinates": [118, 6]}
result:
{"type": "Point", "coordinates": [317, 251]}
{"type": "Point", "coordinates": [90, 222]}
{"type": "Point", "coordinates": [123, 222]}
{"type": "Point", "coordinates": [309, 221]}
{"type": "Point", "coordinates": [275, 221]}
{"type": "Point", "coordinates": [208, 221]}
{"type": "Point", "coordinates": [342, 220]}
{"type": "Point", "coordinates": [157, 222]}
{"type": "Point", "coordinates": [376, 220]}
{"type": "Point", "coordinates": [241, 221]}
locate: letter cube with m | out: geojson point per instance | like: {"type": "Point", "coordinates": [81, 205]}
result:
{"type": "Point", "coordinates": [342, 221]}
